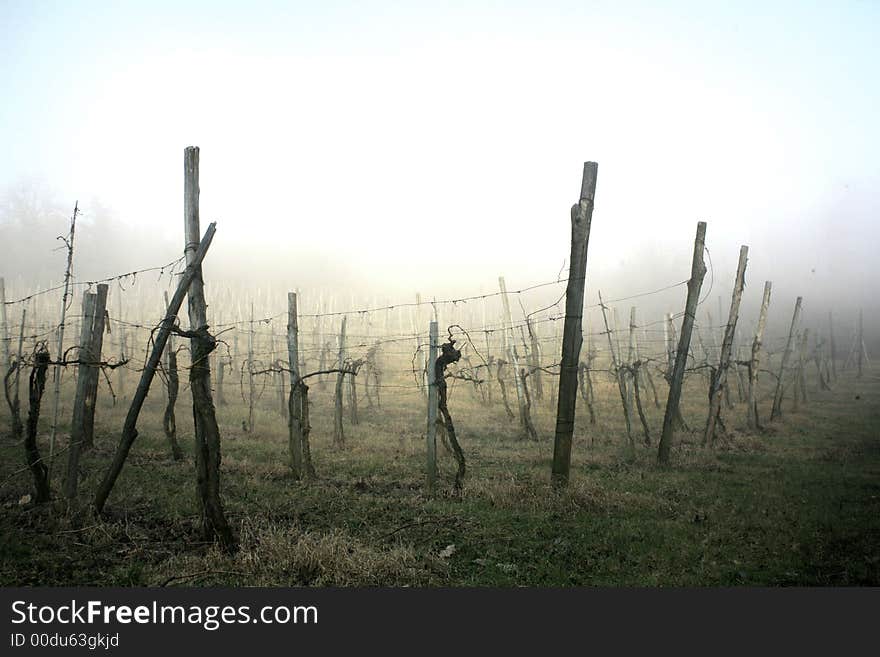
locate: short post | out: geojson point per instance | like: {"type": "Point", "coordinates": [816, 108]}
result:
{"type": "Point", "coordinates": [431, 433]}
{"type": "Point", "coordinates": [777, 397]}
{"type": "Point", "coordinates": [698, 271]}
{"type": "Point", "coordinates": [572, 332]}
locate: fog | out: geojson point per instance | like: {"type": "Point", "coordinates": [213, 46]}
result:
{"type": "Point", "coordinates": [376, 151]}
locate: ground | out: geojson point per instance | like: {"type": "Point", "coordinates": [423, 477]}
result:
{"type": "Point", "coordinates": [796, 504]}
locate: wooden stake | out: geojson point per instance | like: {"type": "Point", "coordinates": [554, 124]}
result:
{"type": "Point", "coordinates": [832, 346]}
{"type": "Point", "coordinates": [752, 401]}
{"type": "Point", "coordinates": [777, 397]}
{"type": "Point", "coordinates": [698, 271]}
{"type": "Point", "coordinates": [431, 433]}
{"type": "Point", "coordinates": [572, 332]}
{"type": "Point", "coordinates": [129, 429]}
{"type": "Point", "coordinates": [338, 431]}
{"type": "Point", "coordinates": [719, 380]}
{"type": "Point", "coordinates": [295, 399]}
{"type": "Point", "coordinates": [511, 350]}
{"type": "Point", "coordinates": [207, 432]}
{"type": "Point", "coordinates": [619, 374]}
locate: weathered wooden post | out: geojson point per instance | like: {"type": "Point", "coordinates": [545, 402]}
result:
{"type": "Point", "coordinates": [777, 397]}
{"type": "Point", "coordinates": [619, 373]}
{"type": "Point", "coordinates": [77, 425]}
{"type": "Point", "coordinates": [572, 332]}
{"type": "Point", "coordinates": [719, 381]}
{"type": "Point", "coordinates": [129, 429]}
{"type": "Point", "coordinates": [431, 433]}
{"type": "Point", "coordinates": [338, 432]}
{"type": "Point", "coordinates": [511, 350]}
{"type": "Point", "coordinates": [207, 432]}
{"type": "Point", "coordinates": [752, 401]}
{"type": "Point", "coordinates": [56, 401]}
{"type": "Point", "coordinates": [698, 271]}
{"type": "Point", "coordinates": [294, 414]}
{"type": "Point", "coordinates": [250, 367]}
{"type": "Point", "coordinates": [800, 375]}
{"type": "Point", "coordinates": [169, 419]}
{"type": "Point", "coordinates": [832, 346]}
{"type": "Point", "coordinates": [860, 344]}
{"type": "Point", "coordinates": [4, 329]}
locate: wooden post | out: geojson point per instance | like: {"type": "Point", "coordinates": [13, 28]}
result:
{"type": "Point", "coordinates": [169, 419]}
{"type": "Point", "coordinates": [89, 353]}
{"type": "Point", "coordinates": [207, 432]}
{"type": "Point", "coordinates": [338, 431]}
{"type": "Point", "coordinates": [4, 328]}
{"type": "Point", "coordinates": [832, 346]}
{"type": "Point", "coordinates": [698, 271]}
{"type": "Point", "coordinates": [295, 415]}
{"type": "Point", "coordinates": [251, 391]}
{"type": "Point", "coordinates": [752, 401]}
{"type": "Point", "coordinates": [719, 381]}
{"type": "Point", "coordinates": [800, 377]}
{"type": "Point", "coordinates": [572, 332]}
{"type": "Point", "coordinates": [56, 401]}
{"type": "Point", "coordinates": [860, 345]}
{"type": "Point", "coordinates": [129, 429]}
{"type": "Point", "coordinates": [777, 397]}
{"type": "Point", "coordinates": [511, 350]}
{"type": "Point", "coordinates": [619, 374]}
{"type": "Point", "coordinates": [431, 433]}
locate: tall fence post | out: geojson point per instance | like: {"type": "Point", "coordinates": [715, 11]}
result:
{"type": "Point", "coordinates": [777, 397]}
{"type": "Point", "coordinates": [752, 417]}
{"type": "Point", "coordinates": [572, 332]}
{"type": "Point", "coordinates": [431, 433]}
{"type": "Point", "coordinates": [719, 381]}
{"type": "Point", "coordinates": [207, 432]}
{"type": "Point", "coordinates": [698, 271]}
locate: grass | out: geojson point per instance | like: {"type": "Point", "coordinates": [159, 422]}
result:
{"type": "Point", "coordinates": [796, 505]}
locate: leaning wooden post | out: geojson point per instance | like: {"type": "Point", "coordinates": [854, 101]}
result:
{"type": "Point", "coordinates": [338, 431]}
{"type": "Point", "coordinates": [295, 424]}
{"type": "Point", "coordinates": [777, 397]}
{"type": "Point", "coordinates": [719, 381]}
{"type": "Point", "coordinates": [800, 387]}
{"type": "Point", "coordinates": [129, 429]}
{"type": "Point", "coordinates": [698, 271]}
{"type": "Point", "coordinates": [207, 432]}
{"type": "Point", "coordinates": [431, 433]}
{"type": "Point", "coordinates": [572, 332]}
{"type": "Point", "coordinates": [752, 401]}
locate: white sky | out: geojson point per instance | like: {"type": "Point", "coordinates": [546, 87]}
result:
{"type": "Point", "coordinates": [364, 131]}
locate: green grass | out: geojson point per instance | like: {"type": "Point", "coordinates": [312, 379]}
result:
{"type": "Point", "coordinates": [796, 505]}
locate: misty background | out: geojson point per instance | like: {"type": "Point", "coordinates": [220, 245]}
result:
{"type": "Point", "coordinates": [382, 149]}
